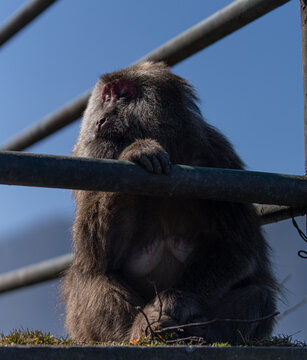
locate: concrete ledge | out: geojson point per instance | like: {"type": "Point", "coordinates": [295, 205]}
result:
{"type": "Point", "coordinates": [155, 353]}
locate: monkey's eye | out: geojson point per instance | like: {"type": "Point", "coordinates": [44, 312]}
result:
{"type": "Point", "coordinates": [123, 91]}
{"type": "Point", "coordinates": [106, 93]}
{"type": "Point", "coordinates": [119, 89]}
{"type": "Point", "coordinates": [107, 97]}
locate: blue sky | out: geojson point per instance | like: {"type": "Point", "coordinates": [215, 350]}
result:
{"type": "Point", "coordinates": [249, 83]}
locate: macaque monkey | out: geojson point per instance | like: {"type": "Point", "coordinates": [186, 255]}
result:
{"type": "Point", "coordinates": [180, 260]}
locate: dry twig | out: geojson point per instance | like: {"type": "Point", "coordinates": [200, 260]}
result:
{"type": "Point", "coordinates": [293, 308]}
{"type": "Point", "coordinates": [213, 321]}
{"type": "Point", "coordinates": [194, 339]}
{"type": "Point", "coordinates": [152, 332]}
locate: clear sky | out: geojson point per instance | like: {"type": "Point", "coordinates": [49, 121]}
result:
{"type": "Point", "coordinates": [250, 83]}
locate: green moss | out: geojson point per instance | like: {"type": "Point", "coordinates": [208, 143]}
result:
{"type": "Point", "coordinates": [220, 344]}
{"type": "Point", "coordinates": [280, 340]}
{"type": "Point", "coordinates": [32, 337]}
{"type": "Point", "coordinates": [38, 337]}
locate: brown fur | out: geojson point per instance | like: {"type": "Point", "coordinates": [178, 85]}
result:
{"type": "Point", "coordinates": [225, 272]}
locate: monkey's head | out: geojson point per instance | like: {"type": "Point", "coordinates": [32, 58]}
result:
{"type": "Point", "coordinates": [139, 102]}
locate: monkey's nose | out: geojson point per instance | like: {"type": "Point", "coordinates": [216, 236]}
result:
{"type": "Point", "coordinates": [99, 124]}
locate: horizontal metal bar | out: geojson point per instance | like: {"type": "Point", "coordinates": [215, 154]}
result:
{"type": "Point", "coordinates": [122, 176]}
{"type": "Point", "coordinates": [274, 213]}
{"type": "Point", "coordinates": [22, 18]}
{"type": "Point", "coordinates": [182, 352]}
{"type": "Point", "coordinates": [35, 273]}
{"type": "Point", "coordinates": [55, 267]}
{"type": "Point", "coordinates": [48, 125]}
{"type": "Point", "coordinates": [205, 33]}
{"type": "Point", "coordinates": [224, 22]}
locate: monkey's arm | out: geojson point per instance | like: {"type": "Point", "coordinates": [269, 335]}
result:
{"type": "Point", "coordinates": [106, 224]}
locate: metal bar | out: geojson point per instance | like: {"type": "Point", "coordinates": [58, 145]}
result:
{"type": "Point", "coordinates": [35, 273]}
{"type": "Point", "coordinates": [48, 125]}
{"type": "Point", "coordinates": [22, 18]}
{"type": "Point", "coordinates": [205, 33]}
{"type": "Point", "coordinates": [54, 268]}
{"type": "Point", "coordinates": [128, 352]}
{"type": "Point", "coordinates": [273, 213]}
{"type": "Point", "coordinates": [304, 62]}
{"type": "Point", "coordinates": [122, 176]}
{"type": "Point", "coordinates": [224, 22]}
{"type": "Point", "coordinates": [304, 66]}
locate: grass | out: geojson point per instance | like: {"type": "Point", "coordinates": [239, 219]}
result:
{"type": "Point", "coordinates": [32, 337]}
{"type": "Point", "coordinates": [279, 340]}
{"type": "Point", "coordinates": [38, 337]}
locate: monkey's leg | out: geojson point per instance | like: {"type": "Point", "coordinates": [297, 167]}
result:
{"type": "Point", "coordinates": [99, 308]}
{"type": "Point", "coordinates": [171, 307]}
{"type": "Point", "coordinates": [175, 308]}
{"type": "Point", "coordinates": [247, 303]}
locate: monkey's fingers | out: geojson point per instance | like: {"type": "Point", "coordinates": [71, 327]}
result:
{"type": "Point", "coordinates": [165, 162]}
{"type": "Point", "coordinates": [156, 164]}
{"type": "Point", "coordinates": [151, 163]}
{"type": "Point", "coordinates": [146, 163]}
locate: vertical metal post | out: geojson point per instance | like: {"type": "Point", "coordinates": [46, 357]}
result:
{"type": "Point", "coordinates": [304, 62]}
{"type": "Point", "coordinates": [304, 65]}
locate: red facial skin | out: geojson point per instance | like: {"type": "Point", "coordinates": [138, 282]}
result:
{"type": "Point", "coordinates": [118, 89]}
{"type": "Point", "coordinates": [112, 92]}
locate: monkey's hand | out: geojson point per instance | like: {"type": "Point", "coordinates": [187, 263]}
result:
{"type": "Point", "coordinates": [150, 319]}
{"type": "Point", "coordinates": [170, 308]}
{"type": "Point", "coordinates": [149, 154]}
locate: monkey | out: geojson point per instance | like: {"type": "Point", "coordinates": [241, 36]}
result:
{"type": "Point", "coordinates": [179, 260]}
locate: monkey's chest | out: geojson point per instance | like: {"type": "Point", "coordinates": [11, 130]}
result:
{"type": "Point", "coordinates": [160, 262]}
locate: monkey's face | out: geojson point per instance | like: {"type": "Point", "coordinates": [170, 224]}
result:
{"type": "Point", "coordinates": [118, 98]}
{"type": "Point", "coordinates": [145, 101]}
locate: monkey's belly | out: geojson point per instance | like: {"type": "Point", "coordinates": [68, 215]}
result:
{"type": "Point", "coordinates": [161, 253]}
